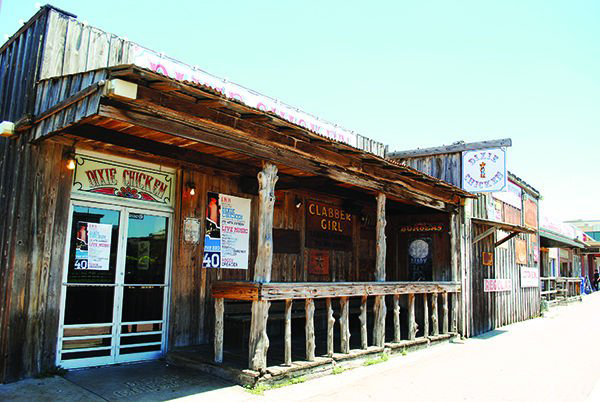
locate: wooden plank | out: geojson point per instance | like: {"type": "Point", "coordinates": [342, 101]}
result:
{"type": "Point", "coordinates": [412, 324]}
{"type": "Point", "coordinates": [363, 323]}
{"type": "Point", "coordinates": [397, 332]}
{"type": "Point", "coordinates": [454, 326]}
{"type": "Point", "coordinates": [330, 327]}
{"type": "Point", "coordinates": [454, 148]}
{"type": "Point", "coordinates": [485, 234]}
{"type": "Point", "coordinates": [344, 325]}
{"type": "Point", "coordinates": [219, 312]}
{"type": "Point", "coordinates": [236, 290]}
{"type": "Point", "coordinates": [434, 315]}
{"type": "Point", "coordinates": [380, 250]}
{"type": "Point", "coordinates": [288, 333]}
{"type": "Point", "coordinates": [309, 329]}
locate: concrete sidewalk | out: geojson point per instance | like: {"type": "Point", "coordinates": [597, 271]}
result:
{"type": "Point", "coordinates": [547, 359]}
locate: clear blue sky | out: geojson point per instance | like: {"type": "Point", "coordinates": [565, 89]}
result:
{"type": "Point", "coordinates": [409, 74]}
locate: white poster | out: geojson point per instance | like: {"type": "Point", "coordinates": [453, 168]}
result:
{"type": "Point", "coordinates": [93, 246]}
{"type": "Point", "coordinates": [511, 195]}
{"type": "Point", "coordinates": [530, 277]}
{"type": "Point", "coordinates": [227, 236]}
{"type": "Point", "coordinates": [484, 170]}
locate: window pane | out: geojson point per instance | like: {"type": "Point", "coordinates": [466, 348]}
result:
{"type": "Point", "coordinates": [94, 245]}
{"type": "Point", "coordinates": [89, 305]}
{"type": "Point", "coordinates": [142, 303]}
{"type": "Point", "coordinates": [146, 249]}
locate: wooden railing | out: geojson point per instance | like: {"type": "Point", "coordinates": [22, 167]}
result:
{"type": "Point", "coordinates": [555, 289]}
{"type": "Point", "coordinates": [308, 292]}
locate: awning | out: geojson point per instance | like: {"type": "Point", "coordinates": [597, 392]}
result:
{"type": "Point", "coordinates": [552, 239]}
{"type": "Point", "coordinates": [494, 225]}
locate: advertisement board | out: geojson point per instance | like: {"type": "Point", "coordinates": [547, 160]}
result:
{"type": "Point", "coordinates": [227, 232]}
{"type": "Point", "coordinates": [530, 277]}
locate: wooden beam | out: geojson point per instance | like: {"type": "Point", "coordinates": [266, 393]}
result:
{"type": "Point", "coordinates": [412, 324]}
{"type": "Point", "coordinates": [363, 323]}
{"type": "Point", "coordinates": [258, 343]}
{"type": "Point", "coordinates": [68, 102]}
{"type": "Point", "coordinates": [445, 313]}
{"type": "Point", "coordinates": [434, 315]}
{"type": "Point", "coordinates": [288, 333]}
{"type": "Point", "coordinates": [379, 307]}
{"type": "Point", "coordinates": [330, 326]}
{"type": "Point", "coordinates": [425, 315]}
{"type": "Point", "coordinates": [309, 329]}
{"type": "Point", "coordinates": [266, 204]}
{"type": "Point", "coordinates": [454, 246]}
{"type": "Point", "coordinates": [211, 133]}
{"type": "Point", "coordinates": [485, 234]}
{"type": "Point", "coordinates": [446, 149]}
{"type": "Point", "coordinates": [454, 326]}
{"type": "Point", "coordinates": [397, 332]}
{"type": "Point", "coordinates": [219, 312]}
{"type": "Point", "coordinates": [507, 238]}
{"type": "Point", "coordinates": [124, 140]}
{"type": "Point", "coordinates": [344, 325]}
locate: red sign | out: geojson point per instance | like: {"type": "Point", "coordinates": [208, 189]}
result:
{"type": "Point", "coordinates": [318, 262]}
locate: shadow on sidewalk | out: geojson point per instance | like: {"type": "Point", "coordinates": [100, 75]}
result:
{"type": "Point", "coordinates": [490, 334]}
{"type": "Point", "coordinates": [154, 380]}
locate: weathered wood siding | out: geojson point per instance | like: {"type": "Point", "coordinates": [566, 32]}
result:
{"type": "Point", "coordinates": [446, 166]}
{"type": "Point", "coordinates": [34, 189]}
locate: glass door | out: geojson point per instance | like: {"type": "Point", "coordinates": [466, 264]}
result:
{"type": "Point", "coordinates": [115, 287]}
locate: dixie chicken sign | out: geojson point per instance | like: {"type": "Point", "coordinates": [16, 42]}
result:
{"type": "Point", "coordinates": [484, 170]}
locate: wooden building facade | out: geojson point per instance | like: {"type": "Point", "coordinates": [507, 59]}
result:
{"type": "Point", "coordinates": [118, 180]}
{"type": "Point", "coordinates": [501, 244]}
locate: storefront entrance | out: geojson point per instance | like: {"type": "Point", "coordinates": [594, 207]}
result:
{"type": "Point", "coordinates": [115, 285]}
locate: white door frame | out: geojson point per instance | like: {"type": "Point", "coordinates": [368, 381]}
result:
{"type": "Point", "coordinates": [124, 207]}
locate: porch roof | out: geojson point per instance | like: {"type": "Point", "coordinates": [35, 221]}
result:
{"type": "Point", "coordinates": [182, 120]}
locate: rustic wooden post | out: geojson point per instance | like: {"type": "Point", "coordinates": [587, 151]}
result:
{"type": "Point", "coordinates": [259, 341]}
{"type": "Point", "coordinates": [309, 329]}
{"type": "Point", "coordinates": [379, 308]}
{"type": "Point", "coordinates": [425, 315]}
{"type": "Point", "coordinates": [412, 324]}
{"type": "Point", "coordinates": [363, 323]}
{"type": "Point", "coordinates": [434, 315]}
{"type": "Point", "coordinates": [344, 325]}
{"type": "Point", "coordinates": [330, 325]}
{"type": "Point", "coordinates": [445, 307]}
{"type": "Point", "coordinates": [397, 333]}
{"type": "Point", "coordinates": [288, 333]}
{"type": "Point", "coordinates": [219, 312]}
{"type": "Point", "coordinates": [454, 327]}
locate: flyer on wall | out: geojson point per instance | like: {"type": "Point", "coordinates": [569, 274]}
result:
{"type": "Point", "coordinates": [227, 233]}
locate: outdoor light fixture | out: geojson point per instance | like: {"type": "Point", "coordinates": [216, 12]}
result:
{"type": "Point", "coordinates": [298, 202]}
{"type": "Point", "coordinates": [71, 161]}
{"type": "Point", "coordinates": [192, 188]}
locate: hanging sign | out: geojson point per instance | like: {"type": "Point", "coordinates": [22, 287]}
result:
{"type": "Point", "coordinates": [328, 227]}
{"type": "Point", "coordinates": [484, 171]}
{"type": "Point", "coordinates": [92, 250]}
{"type": "Point", "coordinates": [94, 175]}
{"type": "Point", "coordinates": [227, 235]}
{"type": "Point", "coordinates": [497, 285]}
{"type": "Point", "coordinates": [530, 277]}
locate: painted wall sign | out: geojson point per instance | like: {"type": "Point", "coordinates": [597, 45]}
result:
{"type": "Point", "coordinates": [191, 230]}
{"type": "Point", "coordinates": [521, 251]}
{"type": "Point", "coordinates": [422, 227]}
{"type": "Point", "coordinates": [530, 277]}
{"type": "Point", "coordinates": [328, 227]}
{"type": "Point", "coordinates": [488, 259]}
{"type": "Point", "coordinates": [92, 250]}
{"type": "Point", "coordinates": [511, 195]}
{"type": "Point", "coordinates": [484, 171]}
{"type": "Point", "coordinates": [497, 285]}
{"type": "Point", "coordinates": [318, 262]}
{"type": "Point", "coordinates": [94, 175]}
{"type": "Point", "coordinates": [227, 232]}
{"type": "Point", "coordinates": [512, 215]}
{"type": "Point", "coordinates": [530, 213]}
{"type": "Point", "coordinates": [156, 62]}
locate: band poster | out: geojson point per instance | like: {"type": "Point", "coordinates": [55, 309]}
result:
{"type": "Point", "coordinates": [227, 233]}
{"type": "Point", "coordinates": [92, 250]}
